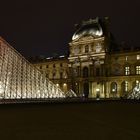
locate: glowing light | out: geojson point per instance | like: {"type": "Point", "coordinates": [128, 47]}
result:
{"type": "Point", "coordinates": [138, 57]}
{"type": "Point", "coordinates": [62, 56]}
{"type": "Point", "coordinates": [113, 90]}
{"type": "Point", "coordinates": [57, 85]}
{"type": "Point", "coordinates": [97, 89]}
{"type": "Point", "coordinates": [126, 58]}
{"type": "Point", "coordinates": [49, 58]}
{"type": "Point", "coordinates": [64, 84]}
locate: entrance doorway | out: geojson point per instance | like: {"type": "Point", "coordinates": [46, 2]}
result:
{"type": "Point", "coordinates": [86, 89]}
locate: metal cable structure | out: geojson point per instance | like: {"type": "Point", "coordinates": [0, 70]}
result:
{"type": "Point", "coordinates": [21, 80]}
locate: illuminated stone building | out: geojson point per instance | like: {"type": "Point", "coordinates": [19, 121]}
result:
{"type": "Point", "coordinates": [96, 66]}
{"type": "Point", "coordinates": [56, 69]}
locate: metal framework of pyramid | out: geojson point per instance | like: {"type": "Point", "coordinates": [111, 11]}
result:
{"type": "Point", "coordinates": [135, 93]}
{"type": "Point", "coordinates": [20, 79]}
{"type": "Point", "coordinates": [70, 93]}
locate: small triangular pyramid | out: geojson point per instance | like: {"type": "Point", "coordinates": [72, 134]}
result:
{"type": "Point", "coordinates": [135, 93]}
{"type": "Point", "coordinates": [70, 93]}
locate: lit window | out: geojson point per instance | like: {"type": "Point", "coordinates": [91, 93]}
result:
{"type": "Point", "coordinates": [126, 86]}
{"type": "Point", "coordinates": [138, 57]}
{"type": "Point", "coordinates": [127, 70]}
{"type": "Point", "coordinates": [138, 70]}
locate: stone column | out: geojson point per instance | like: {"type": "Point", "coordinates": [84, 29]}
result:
{"type": "Point", "coordinates": [90, 89]}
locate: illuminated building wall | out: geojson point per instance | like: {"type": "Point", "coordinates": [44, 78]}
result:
{"type": "Point", "coordinates": [20, 79]}
{"type": "Point", "coordinates": [96, 66]}
{"type": "Point", "coordinates": [56, 69]}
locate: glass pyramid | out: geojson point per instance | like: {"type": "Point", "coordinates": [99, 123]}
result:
{"type": "Point", "coordinates": [20, 79]}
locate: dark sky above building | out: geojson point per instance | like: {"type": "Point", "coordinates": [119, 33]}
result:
{"type": "Point", "coordinates": [37, 27]}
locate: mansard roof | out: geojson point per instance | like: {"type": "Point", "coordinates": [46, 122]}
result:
{"type": "Point", "coordinates": [92, 27]}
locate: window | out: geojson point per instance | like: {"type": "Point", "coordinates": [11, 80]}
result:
{"type": "Point", "coordinates": [113, 87]}
{"type": "Point", "coordinates": [138, 57]}
{"type": "Point", "coordinates": [85, 72]}
{"type": "Point", "coordinates": [98, 48]}
{"type": "Point", "coordinates": [127, 70]}
{"type": "Point", "coordinates": [126, 86]}
{"type": "Point", "coordinates": [86, 49]}
{"type": "Point", "coordinates": [137, 70]}
{"type": "Point", "coordinates": [97, 71]}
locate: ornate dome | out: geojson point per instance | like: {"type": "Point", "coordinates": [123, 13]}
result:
{"type": "Point", "coordinates": [91, 27]}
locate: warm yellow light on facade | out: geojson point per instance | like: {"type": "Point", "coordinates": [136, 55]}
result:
{"type": "Point", "coordinates": [126, 58]}
{"type": "Point", "coordinates": [113, 90]}
{"type": "Point", "coordinates": [97, 89]}
{"type": "Point", "coordinates": [64, 84]}
{"type": "Point", "coordinates": [138, 57]}
{"type": "Point", "coordinates": [57, 85]}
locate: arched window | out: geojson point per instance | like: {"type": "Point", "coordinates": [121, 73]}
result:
{"type": "Point", "coordinates": [124, 87]}
{"type": "Point", "coordinates": [86, 89]}
{"type": "Point", "coordinates": [85, 72]}
{"type": "Point", "coordinates": [113, 89]}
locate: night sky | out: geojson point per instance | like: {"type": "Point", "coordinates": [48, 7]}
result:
{"type": "Point", "coordinates": [46, 27]}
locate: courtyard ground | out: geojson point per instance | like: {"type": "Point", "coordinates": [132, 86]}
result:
{"type": "Point", "coordinates": [95, 120]}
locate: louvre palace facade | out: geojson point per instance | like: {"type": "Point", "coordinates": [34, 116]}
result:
{"type": "Point", "coordinates": [96, 65]}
